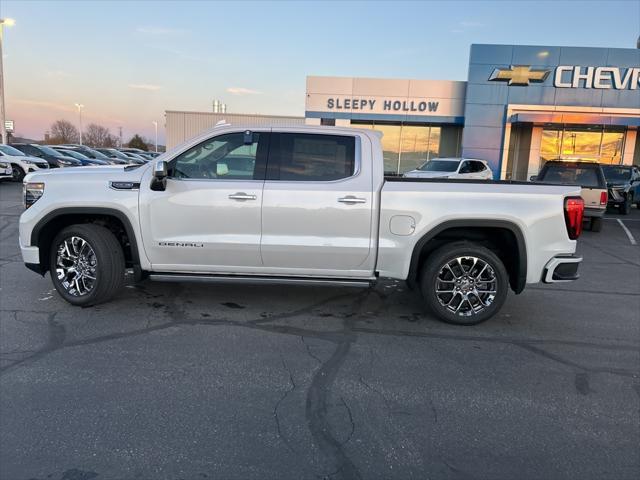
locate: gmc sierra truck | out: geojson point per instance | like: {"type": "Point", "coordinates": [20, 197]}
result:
{"type": "Point", "coordinates": [304, 205]}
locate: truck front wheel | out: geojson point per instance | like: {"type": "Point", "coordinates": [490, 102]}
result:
{"type": "Point", "coordinates": [464, 283]}
{"type": "Point", "coordinates": [86, 264]}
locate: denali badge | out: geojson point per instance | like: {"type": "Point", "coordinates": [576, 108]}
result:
{"type": "Point", "coordinates": [181, 244]}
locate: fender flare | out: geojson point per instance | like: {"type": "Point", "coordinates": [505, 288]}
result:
{"type": "Point", "coordinates": [517, 284]}
{"type": "Point", "coordinates": [104, 211]}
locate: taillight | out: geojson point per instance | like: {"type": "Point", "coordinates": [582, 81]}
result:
{"type": "Point", "coordinates": [573, 213]}
{"type": "Point", "coordinates": [603, 198]}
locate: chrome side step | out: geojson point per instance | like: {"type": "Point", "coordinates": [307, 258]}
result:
{"type": "Point", "coordinates": [257, 279]}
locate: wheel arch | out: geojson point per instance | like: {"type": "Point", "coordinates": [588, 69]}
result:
{"type": "Point", "coordinates": [117, 221]}
{"type": "Point", "coordinates": [499, 235]}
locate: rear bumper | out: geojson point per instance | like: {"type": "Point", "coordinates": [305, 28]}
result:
{"type": "Point", "coordinates": [594, 212]}
{"type": "Point", "coordinates": [562, 269]}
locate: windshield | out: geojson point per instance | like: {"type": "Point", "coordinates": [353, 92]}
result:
{"type": "Point", "coordinates": [95, 154]}
{"type": "Point", "coordinates": [49, 151]}
{"type": "Point", "coordinates": [73, 154]}
{"type": "Point", "coordinates": [570, 175]}
{"type": "Point", "coordinates": [439, 166]}
{"type": "Point", "coordinates": [7, 150]}
{"type": "Point", "coordinates": [617, 174]}
{"type": "Point", "coordinates": [118, 154]}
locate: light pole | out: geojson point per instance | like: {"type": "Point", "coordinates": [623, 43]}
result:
{"type": "Point", "coordinates": [80, 106]}
{"type": "Point", "coordinates": [155, 124]}
{"type": "Point", "coordinates": [9, 22]}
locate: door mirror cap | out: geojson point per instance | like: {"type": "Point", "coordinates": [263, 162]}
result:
{"type": "Point", "coordinates": [160, 170]}
{"type": "Point", "coordinates": [159, 179]}
{"type": "Point", "coordinates": [533, 178]}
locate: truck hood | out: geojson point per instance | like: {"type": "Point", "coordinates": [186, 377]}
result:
{"type": "Point", "coordinates": [92, 173]}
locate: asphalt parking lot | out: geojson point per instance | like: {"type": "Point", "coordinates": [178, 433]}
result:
{"type": "Point", "coordinates": [193, 381]}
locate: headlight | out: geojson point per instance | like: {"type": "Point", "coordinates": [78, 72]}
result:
{"type": "Point", "coordinates": [26, 160]}
{"type": "Point", "coordinates": [32, 192]}
{"type": "Point", "coordinates": [64, 162]}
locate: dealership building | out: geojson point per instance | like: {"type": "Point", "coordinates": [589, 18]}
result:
{"type": "Point", "coordinates": [519, 107]}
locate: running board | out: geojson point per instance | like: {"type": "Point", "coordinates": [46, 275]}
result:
{"type": "Point", "coordinates": [256, 279]}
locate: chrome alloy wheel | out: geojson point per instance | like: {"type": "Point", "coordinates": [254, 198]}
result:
{"type": "Point", "coordinates": [76, 266]}
{"type": "Point", "coordinates": [466, 286]}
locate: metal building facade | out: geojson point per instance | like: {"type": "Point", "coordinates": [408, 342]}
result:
{"type": "Point", "coordinates": [181, 126]}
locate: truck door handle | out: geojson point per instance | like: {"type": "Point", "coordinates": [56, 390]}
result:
{"type": "Point", "coordinates": [242, 196]}
{"type": "Point", "coordinates": [350, 199]}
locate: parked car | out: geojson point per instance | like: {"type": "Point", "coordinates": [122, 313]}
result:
{"type": "Point", "coordinates": [587, 175]}
{"type": "Point", "coordinates": [113, 153]}
{"type": "Point", "coordinates": [86, 161]}
{"type": "Point", "coordinates": [92, 153]}
{"type": "Point", "coordinates": [321, 213]}
{"type": "Point", "coordinates": [457, 168]}
{"type": "Point", "coordinates": [132, 150]}
{"type": "Point", "coordinates": [136, 157]}
{"type": "Point", "coordinates": [6, 172]}
{"type": "Point", "coordinates": [623, 183]}
{"type": "Point", "coordinates": [55, 158]}
{"type": "Point", "coordinates": [21, 164]}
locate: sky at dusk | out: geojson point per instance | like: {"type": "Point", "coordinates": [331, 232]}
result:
{"type": "Point", "coordinates": [128, 62]}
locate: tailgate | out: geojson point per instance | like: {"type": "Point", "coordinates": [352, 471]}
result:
{"type": "Point", "coordinates": [591, 196]}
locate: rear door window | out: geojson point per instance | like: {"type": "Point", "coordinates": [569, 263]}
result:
{"type": "Point", "coordinates": [477, 166]}
{"type": "Point", "coordinates": [304, 157]}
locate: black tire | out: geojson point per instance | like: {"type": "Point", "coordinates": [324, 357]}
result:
{"type": "Point", "coordinates": [625, 207]}
{"type": "Point", "coordinates": [109, 264]}
{"type": "Point", "coordinates": [18, 173]}
{"type": "Point", "coordinates": [596, 224]}
{"type": "Point", "coordinates": [430, 279]}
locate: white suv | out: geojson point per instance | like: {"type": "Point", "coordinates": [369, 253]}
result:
{"type": "Point", "coordinates": [5, 170]}
{"type": "Point", "coordinates": [455, 168]}
{"type": "Point", "coordinates": [21, 164]}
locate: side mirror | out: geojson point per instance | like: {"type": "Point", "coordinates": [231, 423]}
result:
{"type": "Point", "coordinates": [533, 178]}
{"type": "Point", "coordinates": [159, 179]}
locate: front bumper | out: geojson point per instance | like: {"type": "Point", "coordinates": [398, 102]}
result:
{"type": "Point", "coordinates": [30, 254]}
{"type": "Point", "coordinates": [562, 269]}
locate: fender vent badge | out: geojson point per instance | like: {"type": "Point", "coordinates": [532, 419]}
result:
{"type": "Point", "coordinates": [124, 185]}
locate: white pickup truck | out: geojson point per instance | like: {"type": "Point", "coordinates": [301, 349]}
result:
{"type": "Point", "coordinates": [304, 205]}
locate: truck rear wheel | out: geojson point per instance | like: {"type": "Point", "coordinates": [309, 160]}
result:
{"type": "Point", "coordinates": [464, 283]}
{"type": "Point", "coordinates": [86, 264]}
{"type": "Point", "coordinates": [596, 224]}
{"type": "Point", "coordinates": [625, 207]}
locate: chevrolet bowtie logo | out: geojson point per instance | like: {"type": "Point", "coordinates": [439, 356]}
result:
{"type": "Point", "coordinates": [519, 75]}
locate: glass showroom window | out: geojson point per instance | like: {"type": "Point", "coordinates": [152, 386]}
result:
{"type": "Point", "coordinates": [390, 147]}
{"type": "Point", "coordinates": [588, 144]}
{"type": "Point", "coordinates": [550, 145]}
{"type": "Point", "coordinates": [612, 147]}
{"type": "Point", "coordinates": [406, 147]}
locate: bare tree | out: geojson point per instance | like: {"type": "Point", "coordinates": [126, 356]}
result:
{"type": "Point", "coordinates": [63, 131]}
{"type": "Point", "coordinates": [98, 136]}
